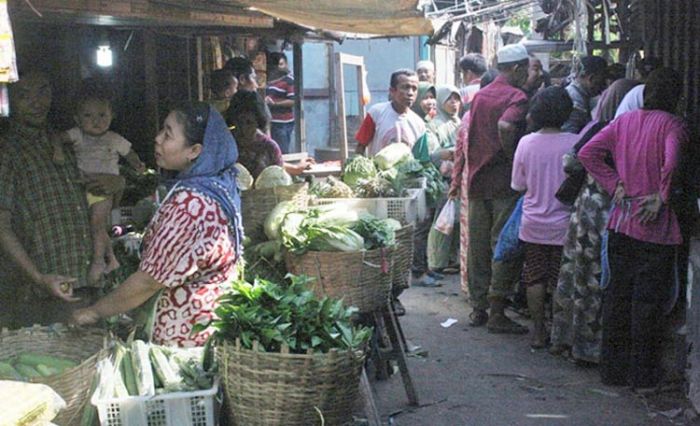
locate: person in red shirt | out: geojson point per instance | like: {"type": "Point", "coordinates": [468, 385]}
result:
{"type": "Point", "coordinates": [495, 122]}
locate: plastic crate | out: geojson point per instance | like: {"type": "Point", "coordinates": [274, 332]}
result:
{"type": "Point", "coordinates": [196, 408]}
{"type": "Point", "coordinates": [403, 209]}
{"type": "Point", "coordinates": [417, 183]}
{"type": "Point", "coordinates": [122, 215]}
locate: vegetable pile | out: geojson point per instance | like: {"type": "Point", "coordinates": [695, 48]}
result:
{"type": "Point", "coordinates": [277, 315]}
{"type": "Point", "coordinates": [30, 365]}
{"type": "Point", "coordinates": [142, 369]}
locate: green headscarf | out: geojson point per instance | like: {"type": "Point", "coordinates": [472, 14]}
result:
{"type": "Point", "coordinates": [443, 128]}
{"type": "Point", "coordinates": [423, 89]}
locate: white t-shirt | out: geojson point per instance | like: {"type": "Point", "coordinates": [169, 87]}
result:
{"type": "Point", "coordinates": [634, 99]}
{"type": "Point", "coordinates": [99, 154]}
{"type": "Point", "coordinates": [382, 125]}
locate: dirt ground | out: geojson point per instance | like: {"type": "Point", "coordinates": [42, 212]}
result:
{"type": "Point", "coordinates": [471, 377]}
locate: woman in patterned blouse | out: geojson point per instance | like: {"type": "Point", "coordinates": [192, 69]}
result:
{"type": "Point", "coordinates": [191, 246]}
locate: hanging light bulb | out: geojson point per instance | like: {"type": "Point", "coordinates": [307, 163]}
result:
{"type": "Point", "coordinates": [104, 56]}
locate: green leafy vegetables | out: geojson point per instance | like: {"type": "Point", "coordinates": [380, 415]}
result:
{"type": "Point", "coordinates": [278, 315]}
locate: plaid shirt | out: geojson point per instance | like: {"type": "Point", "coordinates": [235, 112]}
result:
{"type": "Point", "coordinates": [48, 205]}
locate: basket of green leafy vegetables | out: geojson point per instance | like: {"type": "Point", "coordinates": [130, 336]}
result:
{"type": "Point", "coordinates": [287, 357]}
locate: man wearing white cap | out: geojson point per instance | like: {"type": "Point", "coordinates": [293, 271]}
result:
{"type": "Point", "coordinates": [496, 121]}
{"type": "Point", "coordinates": [426, 71]}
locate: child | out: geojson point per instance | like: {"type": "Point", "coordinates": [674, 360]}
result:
{"type": "Point", "coordinates": [537, 170]}
{"type": "Point", "coordinates": [98, 150]}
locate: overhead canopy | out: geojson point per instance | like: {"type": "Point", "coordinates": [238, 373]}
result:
{"type": "Point", "coordinates": [377, 17]}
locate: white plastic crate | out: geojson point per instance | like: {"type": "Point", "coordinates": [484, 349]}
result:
{"type": "Point", "coordinates": [122, 215]}
{"type": "Point", "coordinates": [196, 408]}
{"type": "Point", "coordinates": [403, 209]}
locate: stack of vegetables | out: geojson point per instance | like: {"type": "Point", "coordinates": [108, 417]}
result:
{"type": "Point", "coordinates": [270, 177]}
{"type": "Point", "coordinates": [137, 368]}
{"type": "Point", "coordinates": [386, 175]}
{"type": "Point", "coordinates": [30, 365]}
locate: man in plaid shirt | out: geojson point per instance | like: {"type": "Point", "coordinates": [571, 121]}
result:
{"type": "Point", "coordinates": [45, 240]}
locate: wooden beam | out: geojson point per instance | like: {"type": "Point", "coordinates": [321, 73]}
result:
{"type": "Point", "coordinates": [299, 121]}
{"type": "Point", "coordinates": [116, 12]}
{"type": "Point", "coordinates": [151, 81]}
{"type": "Point", "coordinates": [200, 70]}
{"type": "Point", "coordinates": [340, 103]}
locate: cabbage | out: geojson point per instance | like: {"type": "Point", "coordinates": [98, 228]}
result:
{"type": "Point", "coordinates": [244, 178]}
{"type": "Point", "coordinates": [271, 177]}
{"type": "Point", "coordinates": [336, 214]}
{"type": "Point", "coordinates": [393, 223]}
{"type": "Point", "coordinates": [274, 219]}
{"type": "Point", "coordinates": [392, 154]}
{"type": "Point", "coordinates": [356, 168]}
{"type": "Point", "coordinates": [337, 238]}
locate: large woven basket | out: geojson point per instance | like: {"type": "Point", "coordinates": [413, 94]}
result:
{"type": "Point", "coordinates": [256, 204]}
{"type": "Point", "coordinates": [403, 258]}
{"type": "Point", "coordinates": [361, 278]}
{"type": "Point", "coordinates": [269, 389]}
{"type": "Point", "coordinates": [84, 346]}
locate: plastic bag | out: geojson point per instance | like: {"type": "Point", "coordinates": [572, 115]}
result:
{"type": "Point", "coordinates": [447, 218]}
{"type": "Point", "coordinates": [509, 245]}
{"type": "Point", "coordinates": [24, 404]}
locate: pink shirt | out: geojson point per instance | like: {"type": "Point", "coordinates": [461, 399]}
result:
{"type": "Point", "coordinates": [645, 147]}
{"type": "Point", "coordinates": [537, 169]}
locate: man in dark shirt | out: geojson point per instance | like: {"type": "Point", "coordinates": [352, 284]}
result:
{"type": "Point", "coordinates": [497, 117]}
{"type": "Point", "coordinates": [45, 239]}
{"type": "Point", "coordinates": [590, 82]}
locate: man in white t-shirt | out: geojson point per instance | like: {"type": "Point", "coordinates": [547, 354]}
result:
{"type": "Point", "coordinates": [392, 121]}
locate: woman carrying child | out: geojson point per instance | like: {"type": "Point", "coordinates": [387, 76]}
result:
{"type": "Point", "coordinates": [537, 171]}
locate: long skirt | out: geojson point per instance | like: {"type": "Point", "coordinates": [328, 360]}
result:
{"type": "Point", "coordinates": [577, 299]}
{"type": "Point", "coordinates": [464, 233]}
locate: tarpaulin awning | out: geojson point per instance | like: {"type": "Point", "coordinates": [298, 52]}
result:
{"type": "Point", "coordinates": [376, 17]}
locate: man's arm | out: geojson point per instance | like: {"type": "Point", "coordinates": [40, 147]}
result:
{"type": "Point", "coordinates": [11, 245]}
{"type": "Point", "coordinates": [507, 134]}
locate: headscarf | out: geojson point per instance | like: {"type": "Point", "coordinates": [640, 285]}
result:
{"type": "Point", "coordinates": [423, 88]}
{"type": "Point", "coordinates": [611, 98]}
{"type": "Point", "coordinates": [444, 126]}
{"type": "Point", "coordinates": [213, 173]}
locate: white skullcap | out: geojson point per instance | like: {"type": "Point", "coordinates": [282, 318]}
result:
{"type": "Point", "coordinates": [425, 64]}
{"type": "Point", "coordinates": [512, 53]}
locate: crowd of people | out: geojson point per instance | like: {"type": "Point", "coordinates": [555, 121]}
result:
{"type": "Point", "coordinates": [585, 171]}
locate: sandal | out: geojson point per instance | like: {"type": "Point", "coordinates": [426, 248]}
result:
{"type": "Point", "coordinates": [478, 318]}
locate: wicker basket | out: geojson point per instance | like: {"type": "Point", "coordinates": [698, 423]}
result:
{"type": "Point", "coordinates": [85, 346]}
{"type": "Point", "coordinates": [360, 278]}
{"type": "Point", "coordinates": [256, 204]}
{"type": "Point", "coordinates": [269, 389]}
{"type": "Point", "coordinates": [403, 259]}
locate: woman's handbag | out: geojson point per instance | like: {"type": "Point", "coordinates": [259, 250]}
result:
{"type": "Point", "coordinates": [575, 173]}
{"type": "Point", "coordinates": [509, 245]}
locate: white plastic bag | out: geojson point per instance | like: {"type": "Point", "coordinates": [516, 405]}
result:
{"type": "Point", "coordinates": [447, 218]}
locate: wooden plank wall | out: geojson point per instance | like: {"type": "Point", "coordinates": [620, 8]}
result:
{"type": "Point", "coordinates": [670, 31]}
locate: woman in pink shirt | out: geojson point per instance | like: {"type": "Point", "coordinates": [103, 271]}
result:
{"type": "Point", "coordinates": [643, 229]}
{"type": "Point", "coordinates": [537, 171]}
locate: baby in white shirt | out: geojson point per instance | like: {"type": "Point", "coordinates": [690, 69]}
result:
{"type": "Point", "coordinates": [97, 150]}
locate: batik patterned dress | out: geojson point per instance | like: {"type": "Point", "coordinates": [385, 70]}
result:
{"type": "Point", "coordinates": [189, 250]}
{"type": "Point", "coordinates": [577, 299]}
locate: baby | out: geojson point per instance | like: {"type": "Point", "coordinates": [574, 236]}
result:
{"type": "Point", "coordinates": [98, 150]}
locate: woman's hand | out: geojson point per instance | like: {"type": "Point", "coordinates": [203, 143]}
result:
{"type": "Point", "coordinates": [58, 286]}
{"type": "Point", "coordinates": [619, 194]}
{"type": "Point", "coordinates": [85, 316]}
{"type": "Point", "coordinates": [453, 193]}
{"type": "Point", "coordinates": [649, 208]}
{"type": "Point", "coordinates": [104, 184]}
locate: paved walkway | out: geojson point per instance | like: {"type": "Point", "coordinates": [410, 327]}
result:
{"type": "Point", "coordinates": [471, 377]}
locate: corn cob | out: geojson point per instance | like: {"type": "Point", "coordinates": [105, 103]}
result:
{"type": "Point", "coordinates": [8, 372]}
{"type": "Point", "coordinates": [34, 359]}
{"type": "Point", "coordinates": [142, 368]}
